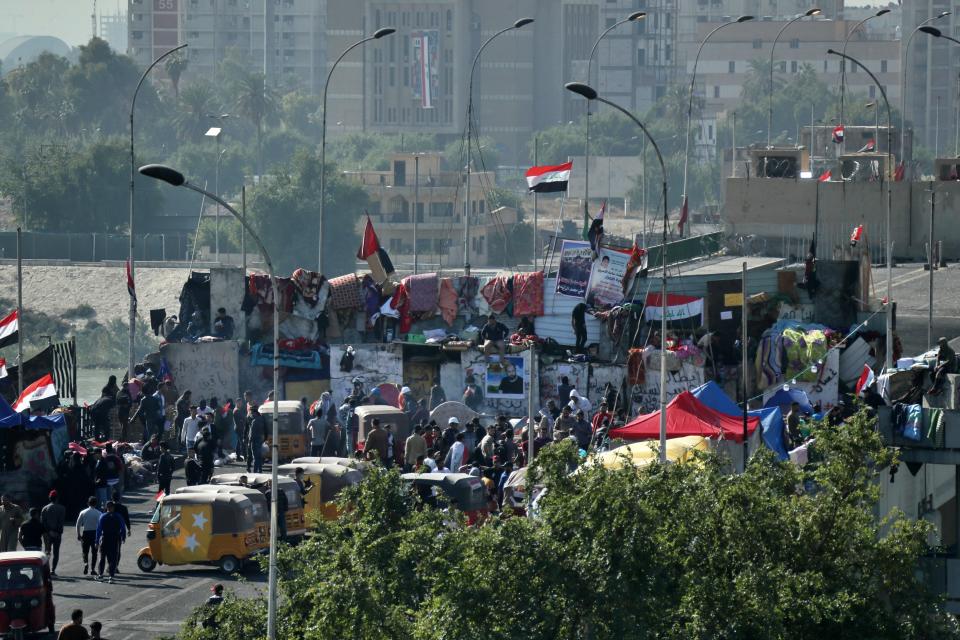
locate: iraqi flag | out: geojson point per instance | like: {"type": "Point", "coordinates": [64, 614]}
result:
{"type": "Point", "coordinates": [10, 329]}
{"type": "Point", "coordinates": [42, 394]}
{"type": "Point", "coordinates": [370, 243]}
{"type": "Point", "coordinates": [825, 176]}
{"type": "Point", "coordinates": [679, 307]}
{"type": "Point", "coordinates": [866, 379]}
{"type": "Point", "coordinates": [838, 134]}
{"type": "Point", "coordinates": [684, 214]}
{"type": "Point", "coordinates": [3, 369]}
{"type": "Point", "coordinates": [549, 179]}
{"type": "Point", "coordinates": [870, 147]}
{"type": "Point", "coordinates": [595, 232]}
{"type": "Point", "coordinates": [636, 264]}
{"type": "Point", "coordinates": [131, 285]}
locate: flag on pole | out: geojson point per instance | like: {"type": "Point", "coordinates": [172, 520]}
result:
{"type": "Point", "coordinates": [595, 232]}
{"type": "Point", "coordinates": [856, 235]}
{"type": "Point", "coordinates": [370, 243]}
{"type": "Point", "coordinates": [131, 285]}
{"type": "Point", "coordinates": [64, 364]}
{"type": "Point", "coordinates": [838, 134]}
{"type": "Point", "coordinates": [41, 393]}
{"type": "Point", "coordinates": [899, 172]}
{"type": "Point", "coordinates": [684, 213]}
{"type": "Point", "coordinates": [636, 264]}
{"type": "Point", "coordinates": [866, 379]}
{"type": "Point", "coordinates": [10, 329]}
{"type": "Point", "coordinates": [164, 374]}
{"type": "Point", "coordinates": [3, 369]}
{"type": "Point", "coordinates": [825, 176]}
{"type": "Point", "coordinates": [870, 147]}
{"type": "Point", "coordinates": [549, 178]}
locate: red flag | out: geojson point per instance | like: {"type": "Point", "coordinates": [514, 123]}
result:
{"type": "Point", "coordinates": [899, 172]}
{"type": "Point", "coordinates": [825, 176]}
{"type": "Point", "coordinates": [866, 379]}
{"type": "Point", "coordinates": [838, 134]}
{"type": "Point", "coordinates": [159, 495]}
{"type": "Point", "coordinates": [637, 262]}
{"type": "Point", "coordinates": [856, 235]}
{"type": "Point", "coordinates": [870, 147]}
{"type": "Point", "coordinates": [131, 285]}
{"type": "Point", "coordinates": [370, 243]}
{"type": "Point", "coordinates": [683, 215]}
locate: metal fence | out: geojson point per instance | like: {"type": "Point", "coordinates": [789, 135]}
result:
{"type": "Point", "coordinates": [96, 247]}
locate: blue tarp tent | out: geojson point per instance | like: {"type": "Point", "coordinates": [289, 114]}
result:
{"type": "Point", "coordinates": [10, 418]}
{"type": "Point", "coordinates": [784, 397]}
{"type": "Point", "coordinates": [771, 419]}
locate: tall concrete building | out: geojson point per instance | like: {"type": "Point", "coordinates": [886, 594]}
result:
{"type": "Point", "coordinates": [295, 36]}
{"type": "Point", "coordinates": [933, 86]}
{"type": "Point", "coordinates": [113, 29]}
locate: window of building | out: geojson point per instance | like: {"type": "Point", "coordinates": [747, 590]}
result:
{"type": "Point", "coordinates": [667, 52]}
{"type": "Point", "coordinates": [731, 67]}
{"type": "Point", "coordinates": [434, 19]}
{"type": "Point", "coordinates": [449, 20]}
{"type": "Point", "coordinates": [716, 91]}
{"type": "Point", "coordinates": [793, 66]}
{"type": "Point", "coordinates": [641, 58]}
{"type": "Point", "coordinates": [824, 66]}
{"type": "Point", "coordinates": [611, 22]}
{"type": "Point", "coordinates": [406, 49]}
{"type": "Point", "coordinates": [873, 91]}
{"type": "Point", "coordinates": [406, 76]}
{"type": "Point", "coordinates": [709, 132]}
{"type": "Point", "coordinates": [405, 19]}
{"type": "Point", "coordinates": [392, 77]}
{"type": "Point", "coordinates": [883, 66]}
{"type": "Point", "coordinates": [376, 18]}
{"type": "Point", "coordinates": [795, 43]}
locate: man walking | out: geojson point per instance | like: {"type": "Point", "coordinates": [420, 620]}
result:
{"type": "Point", "coordinates": [164, 469]}
{"type": "Point", "coordinates": [255, 431]}
{"type": "Point", "coordinates": [11, 517]}
{"type": "Point", "coordinates": [192, 470]}
{"type": "Point", "coordinates": [124, 513]}
{"type": "Point", "coordinates": [206, 448]}
{"type": "Point", "coordinates": [53, 517]}
{"type": "Point", "coordinates": [414, 448]}
{"type": "Point", "coordinates": [191, 427]}
{"type": "Point", "coordinates": [87, 523]}
{"type": "Point", "coordinates": [31, 532]}
{"type": "Point", "coordinates": [111, 533]}
{"type": "Point", "coordinates": [182, 413]}
{"type": "Point", "coordinates": [317, 428]}
{"type": "Point", "coordinates": [376, 441]}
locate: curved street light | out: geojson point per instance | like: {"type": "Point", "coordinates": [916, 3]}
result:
{"type": "Point", "coordinates": [379, 33]}
{"type": "Point", "coordinates": [888, 362]}
{"type": "Point", "coordinates": [176, 179]}
{"type": "Point", "coordinates": [903, 80]}
{"type": "Point", "coordinates": [812, 12]}
{"type": "Point", "coordinates": [633, 17]}
{"type": "Point", "coordinates": [133, 173]}
{"type": "Point", "coordinates": [590, 93]}
{"type": "Point", "coordinates": [843, 66]}
{"type": "Point", "coordinates": [522, 22]}
{"type": "Point", "coordinates": [693, 80]}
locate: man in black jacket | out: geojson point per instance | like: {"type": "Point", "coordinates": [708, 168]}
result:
{"type": "Point", "coordinates": [206, 449]}
{"type": "Point", "coordinates": [164, 469]}
{"type": "Point", "coordinates": [192, 470]}
{"type": "Point", "coordinates": [124, 513]}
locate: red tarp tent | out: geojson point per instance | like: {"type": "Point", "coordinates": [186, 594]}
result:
{"type": "Point", "coordinates": [686, 416]}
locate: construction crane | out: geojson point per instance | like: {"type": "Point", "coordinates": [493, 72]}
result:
{"type": "Point", "coordinates": [93, 20]}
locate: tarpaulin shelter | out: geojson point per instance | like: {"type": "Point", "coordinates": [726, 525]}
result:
{"type": "Point", "coordinates": [771, 418]}
{"type": "Point", "coordinates": [687, 416]}
{"type": "Point", "coordinates": [640, 454]}
{"type": "Point", "coordinates": [784, 397]}
{"type": "Point", "coordinates": [10, 418]}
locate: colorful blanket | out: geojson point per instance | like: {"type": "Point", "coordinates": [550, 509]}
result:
{"type": "Point", "coordinates": [447, 301]}
{"type": "Point", "coordinates": [528, 294]}
{"type": "Point", "coordinates": [308, 283]}
{"type": "Point", "coordinates": [497, 293]}
{"type": "Point", "coordinates": [423, 291]}
{"type": "Point", "coordinates": [345, 293]}
{"type": "Point", "coordinates": [467, 289]}
{"type": "Point", "coordinates": [803, 349]}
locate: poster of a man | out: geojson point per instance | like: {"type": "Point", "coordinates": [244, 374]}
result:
{"type": "Point", "coordinates": [573, 274]}
{"type": "Point", "coordinates": [506, 378]}
{"type": "Point", "coordinates": [605, 288]}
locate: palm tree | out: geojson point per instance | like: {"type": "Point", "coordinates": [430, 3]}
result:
{"type": "Point", "coordinates": [196, 101]}
{"type": "Point", "coordinates": [257, 102]}
{"type": "Point", "coordinates": [175, 66]}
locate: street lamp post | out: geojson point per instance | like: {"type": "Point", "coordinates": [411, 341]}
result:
{"type": "Point", "coordinates": [903, 80]}
{"type": "Point", "coordinates": [522, 22]}
{"type": "Point", "coordinates": [693, 80]}
{"type": "Point", "coordinates": [633, 17]}
{"type": "Point", "coordinates": [888, 362]}
{"type": "Point", "coordinates": [175, 178]}
{"type": "Point", "coordinates": [216, 133]}
{"type": "Point", "coordinates": [843, 66]}
{"type": "Point", "coordinates": [133, 173]}
{"type": "Point", "coordinates": [379, 33]}
{"type": "Point", "coordinates": [590, 94]}
{"type": "Point", "coordinates": [807, 14]}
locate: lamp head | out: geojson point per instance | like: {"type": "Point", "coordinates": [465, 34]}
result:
{"type": "Point", "coordinates": [385, 31]}
{"type": "Point", "coordinates": [943, 14]}
{"type": "Point", "coordinates": [933, 31]}
{"type": "Point", "coordinates": [522, 22]}
{"type": "Point", "coordinates": [581, 89]}
{"type": "Point", "coordinates": [882, 12]}
{"type": "Point", "coordinates": [813, 12]}
{"type": "Point", "coordinates": [833, 52]}
{"type": "Point", "coordinates": [164, 173]}
{"type": "Point", "coordinates": [744, 19]}
{"type": "Point", "coordinates": [638, 15]}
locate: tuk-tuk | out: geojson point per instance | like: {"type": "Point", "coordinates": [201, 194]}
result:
{"type": "Point", "coordinates": [296, 522]}
{"type": "Point", "coordinates": [293, 439]}
{"type": "Point", "coordinates": [459, 490]}
{"type": "Point", "coordinates": [351, 463]}
{"type": "Point", "coordinates": [328, 480]}
{"type": "Point", "coordinates": [26, 594]}
{"type": "Point", "coordinates": [261, 512]}
{"type": "Point", "coordinates": [201, 528]}
{"type": "Point", "coordinates": [397, 419]}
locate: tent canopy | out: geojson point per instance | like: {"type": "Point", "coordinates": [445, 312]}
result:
{"type": "Point", "coordinates": [686, 416]}
{"type": "Point", "coordinates": [643, 453]}
{"type": "Point", "coordinates": [783, 398]}
{"type": "Point", "coordinates": [771, 419]}
{"type": "Point", "coordinates": [10, 418]}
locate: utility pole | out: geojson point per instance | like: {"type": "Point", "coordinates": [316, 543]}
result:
{"type": "Point", "coordinates": [743, 356]}
{"type": "Point", "coordinates": [416, 212]}
{"type": "Point", "coordinates": [536, 199]}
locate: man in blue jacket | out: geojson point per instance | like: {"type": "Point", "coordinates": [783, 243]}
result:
{"type": "Point", "coordinates": [111, 533]}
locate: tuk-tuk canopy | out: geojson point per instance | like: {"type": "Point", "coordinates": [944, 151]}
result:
{"type": "Point", "coordinates": [465, 490]}
{"type": "Point", "coordinates": [24, 557]}
{"type": "Point", "coordinates": [231, 513]}
{"type": "Point", "coordinates": [333, 477]}
{"type": "Point", "coordinates": [255, 496]}
{"type": "Point", "coordinates": [350, 463]}
{"type": "Point", "coordinates": [387, 415]}
{"type": "Point", "coordinates": [255, 480]}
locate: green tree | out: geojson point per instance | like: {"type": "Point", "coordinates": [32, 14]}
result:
{"type": "Point", "coordinates": [194, 104]}
{"type": "Point", "coordinates": [677, 552]}
{"type": "Point", "coordinates": [256, 101]}
{"type": "Point", "coordinates": [175, 65]}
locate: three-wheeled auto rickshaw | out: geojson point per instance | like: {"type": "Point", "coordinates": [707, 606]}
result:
{"type": "Point", "coordinates": [26, 594]}
{"type": "Point", "coordinates": [459, 490]}
{"type": "Point", "coordinates": [293, 439]}
{"type": "Point", "coordinates": [397, 419]}
{"type": "Point", "coordinates": [296, 522]}
{"type": "Point", "coordinates": [201, 528]}
{"type": "Point", "coordinates": [328, 481]}
{"type": "Point", "coordinates": [261, 512]}
{"type": "Point", "coordinates": [351, 463]}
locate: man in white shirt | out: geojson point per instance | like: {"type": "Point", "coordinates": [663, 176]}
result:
{"type": "Point", "coordinates": [578, 402]}
{"type": "Point", "coordinates": [191, 427]}
{"type": "Point", "coordinates": [455, 456]}
{"type": "Point", "coordinates": [87, 523]}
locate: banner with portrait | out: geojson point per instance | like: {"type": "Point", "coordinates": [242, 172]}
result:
{"type": "Point", "coordinates": [573, 274]}
{"type": "Point", "coordinates": [506, 378]}
{"type": "Point", "coordinates": [605, 288]}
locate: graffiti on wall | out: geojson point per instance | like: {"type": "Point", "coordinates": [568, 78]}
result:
{"type": "Point", "coordinates": [646, 397]}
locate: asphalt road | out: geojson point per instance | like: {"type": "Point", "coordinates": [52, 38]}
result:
{"type": "Point", "coordinates": [141, 605]}
{"type": "Point", "coordinates": [911, 293]}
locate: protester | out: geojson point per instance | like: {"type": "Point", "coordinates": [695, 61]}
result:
{"type": "Point", "coordinates": [563, 392]}
{"type": "Point", "coordinates": [579, 402]}
{"type": "Point", "coordinates": [333, 442]}
{"type": "Point", "coordinates": [183, 404]}
{"type": "Point", "coordinates": [165, 464]}
{"type": "Point", "coordinates": [377, 442]}
{"type": "Point", "coordinates": [124, 513]}
{"type": "Point", "coordinates": [455, 457]}
{"type": "Point", "coordinates": [317, 429]}
{"type": "Point", "coordinates": [582, 430]}
{"type": "Point", "coordinates": [95, 628]}
{"type": "Point", "coordinates": [578, 320]}
{"type": "Point", "coordinates": [223, 325]}
{"type": "Point", "coordinates": [87, 523]}
{"type": "Point", "coordinates": [206, 450]}
{"type": "Point", "coordinates": [415, 447]}
{"type": "Point", "coordinates": [11, 517]}
{"type": "Point", "coordinates": [793, 426]}
{"type": "Point", "coordinates": [192, 470]}
{"type": "Point", "coordinates": [31, 532]}
{"type": "Point", "coordinates": [53, 517]}
{"type": "Point", "coordinates": [946, 364]}
{"type": "Point", "coordinates": [239, 415]}
{"type": "Point", "coordinates": [303, 485]}
{"type": "Point", "coordinates": [437, 395]}
{"type": "Point", "coordinates": [493, 336]}
{"type": "Point", "coordinates": [111, 533]}
{"type": "Point", "coordinates": [74, 630]}
{"type": "Point", "coordinates": [602, 415]}
{"type": "Point", "coordinates": [255, 435]}
{"type": "Point", "coordinates": [212, 603]}
{"type": "Point", "coordinates": [124, 404]}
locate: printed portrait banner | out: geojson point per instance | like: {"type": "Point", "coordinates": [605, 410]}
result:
{"type": "Point", "coordinates": [506, 378]}
{"type": "Point", "coordinates": [426, 69]}
{"type": "Point", "coordinates": [576, 263]}
{"type": "Point", "coordinates": [606, 278]}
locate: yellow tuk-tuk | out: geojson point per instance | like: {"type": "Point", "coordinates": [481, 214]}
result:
{"type": "Point", "coordinates": [293, 438]}
{"type": "Point", "coordinates": [328, 480]}
{"type": "Point", "coordinates": [351, 463]}
{"type": "Point", "coordinates": [261, 512]}
{"type": "Point", "coordinates": [296, 522]}
{"type": "Point", "coordinates": [397, 419]}
{"type": "Point", "coordinates": [200, 528]}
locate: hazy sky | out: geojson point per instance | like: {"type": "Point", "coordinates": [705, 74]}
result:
{"type": "Point", "coordinates": [69, 20]}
